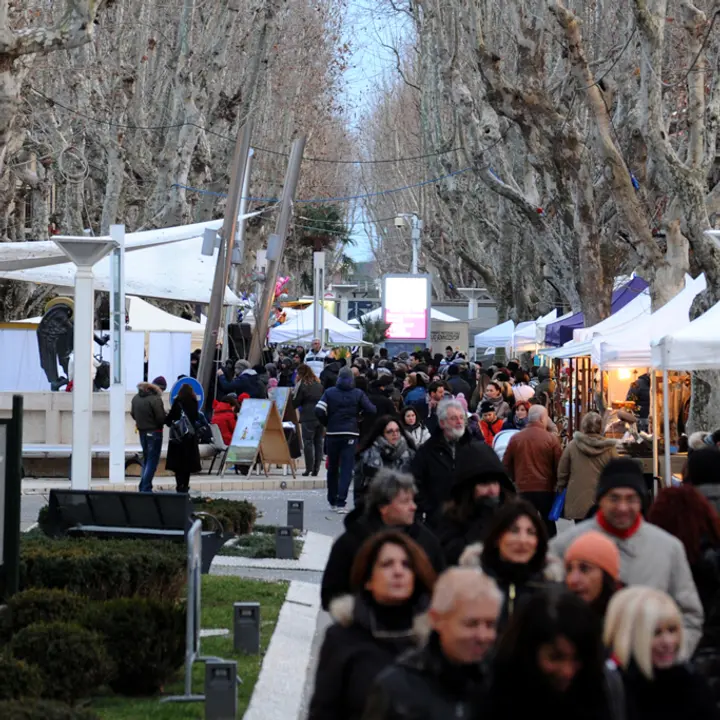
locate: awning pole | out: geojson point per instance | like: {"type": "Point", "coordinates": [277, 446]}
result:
{"type": "Point", "coordinates": [666, 426]}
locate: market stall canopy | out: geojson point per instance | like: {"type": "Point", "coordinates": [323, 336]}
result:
{"type": "Point", "coordinates": [635, 312]}
{"type": "Point", "coordinates": [377, 314]}
{"type": "Point", "coordinates": [524, 338]}
{"type": "Point", "coordinates": [300, 329]}
{"type": "Point", "coordinates": [498, 336]}
{"type": "Point", "coordinates": [177, 271]}
{"type": "Point", "coordinates": [694, 347]}
{"type": "Point", "coordinates": [43, 253]}
{"type": "Point", "coordinates": [561, 332]}
{"type": "Point", "coordinates": [149, 318]}
{"type": "Point", "coordinates": [631, 348]}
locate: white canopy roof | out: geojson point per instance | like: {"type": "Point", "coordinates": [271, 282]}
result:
{"type": "Point", "coordinates": [500, 335]}
{"type": "Point", "coordinates": [377, 314]}
{"type": "Point", "coordinates": [632, 346]}
{"type": "Point", "coordinates": [177, 271]}
{"type": "Point", "coordinates": [637, 309]}
{"type": "Point", "coordinates": [524, 339]}
{"type": "Point", "coordinates": [300, 329]}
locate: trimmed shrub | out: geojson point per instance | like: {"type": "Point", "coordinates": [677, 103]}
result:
{"type": "Point", "coordinates": [18, 679]}
{"type": "Point", "coordinates": [43, 519]}
{"type": "Point", "coordinates": [42, 710]}
{"type": "Point", "coordinates": [73, 661]}
{"type": "Point", "coordinates": [236, 516]}
{"type": "Point", "coordinates": [41, 605]}
{"type": "Point", "coordinates": [145, 638]}
{"type": "Point", "coordinates": [105, 569]}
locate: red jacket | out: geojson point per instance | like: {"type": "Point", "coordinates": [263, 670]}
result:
{"type": "Point", "coordinates": [490, 431]}
{"type": "Point", "coordinates": [225, 418]}
{"type": "Point", "coordinates": [532, 459]}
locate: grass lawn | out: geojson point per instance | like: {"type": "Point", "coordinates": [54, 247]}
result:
{"type": "Point", "coordinates": [218, 595]}
{"type": "Point", "coordinates": [259, 544]}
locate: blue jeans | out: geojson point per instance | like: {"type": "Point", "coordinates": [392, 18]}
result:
{"type": "Point", "coordinates": [152, 447]}
{"type": "Point", "coordinates": [341, 461]}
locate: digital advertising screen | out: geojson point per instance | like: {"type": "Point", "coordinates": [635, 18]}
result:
{"type": "Point", "coordinates": [406, 306]}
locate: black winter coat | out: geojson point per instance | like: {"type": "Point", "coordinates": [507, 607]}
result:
{"type": "Point", "coordinates": [424, 685]}
{"type": "Point", "coordinates": [249, 382]}
{"type": "Point", "coordinates": [383, 406]}
{"type": "Point", "coordinates": [305, 398]}
{"type": "Point", "coordinates": [147, 408]}
{"type": "Point", "coordinates": [706, 574]}
{"type": "Point", "coordinates": [455, 534]}
{"type": "Point", "coordinates": [336, 578]}
{"type": "Point", "coordinates": [459, 385]}
{"type": "Point", "coordinates": [678, 692]}
{"type": "Point", "coordinates": [184, 456]}
{"type": "Point", "coordinates": [355, 650]}
{"type": "Point", "coordinates": [436, 470]}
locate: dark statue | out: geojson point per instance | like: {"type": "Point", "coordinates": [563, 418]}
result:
{"type": "Point", "coordinates": [55, 344]}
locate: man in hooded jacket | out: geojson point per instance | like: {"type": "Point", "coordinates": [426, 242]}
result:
{"type": "Point", "coordinates": [246, 380]}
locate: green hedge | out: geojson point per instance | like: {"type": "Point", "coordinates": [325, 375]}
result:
{"type": "Point", "coordinates": [18, 679]}
{"type": "Point", "coordinates": [236, 516]}
{"type": "Point", "coordinates": [105, 569]}
{"type": "Point", "coordinates": [42, 710]}
{"type": "Point", "coordinates": [73, 661]}
{"type": "Point", "coordinates": [145, 638]}
{"type": "Point", "coordinates": [41, 605]}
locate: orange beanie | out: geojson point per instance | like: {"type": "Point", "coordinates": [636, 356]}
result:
{"type": "Point", "coordinates": [596, 549]}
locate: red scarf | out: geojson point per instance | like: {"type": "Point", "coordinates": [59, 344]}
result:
{"type": "Point", "coordinates": [621, 534]}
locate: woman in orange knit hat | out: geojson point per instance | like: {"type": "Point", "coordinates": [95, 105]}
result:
{"type": "Point", "coordinates": [592, 570]}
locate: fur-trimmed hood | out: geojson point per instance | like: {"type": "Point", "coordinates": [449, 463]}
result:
{"type": "Point", "coordinates": [591, 444]}
{"type": "Point", "coordinates": [147, 388]}
{"type": "Point", "coordinates": [347, 610]}
{"type": "Point", "coordinates": [553, 571]}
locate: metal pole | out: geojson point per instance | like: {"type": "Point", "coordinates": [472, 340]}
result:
{"type": "Point", "coordinates": [10, 554]}
{"type": "Point", "coordinates": [227, 235]}
{"type": "Point", "coordinates": [656, 423]}
{"type": "Point", "coordinates": [416, 228]}
{"type": "Point", "coordinates": [291, 180]}
{"type": "Point", "coordinates": [667, 480]}
{"type": "Point", "coordinates": [117, 328]}
{"type": "Point", "coordinates": [318, 292]}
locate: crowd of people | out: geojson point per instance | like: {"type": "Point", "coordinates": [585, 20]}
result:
{"type": "Point", "coordinates": [453, 590]}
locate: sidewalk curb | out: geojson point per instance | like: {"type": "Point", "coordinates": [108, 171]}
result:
{"type": "Point", "coordinates": [278, 693]}
{"type": "Point", "coordinates": [313, 558]}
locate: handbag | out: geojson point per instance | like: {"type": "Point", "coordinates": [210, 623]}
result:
{"type": "Point", "coordinates": [181, 429]}
{"type": "Point", "coordinates": [558, 506]}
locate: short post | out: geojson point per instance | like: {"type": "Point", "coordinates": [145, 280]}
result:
{"type": "Point", "coordinates": [220, 690]}
{"type": "Point", "coordinates": [295, 512]}
{"type": "Point", "coordinates": [284, 549]}
{"type": "Point", "coordinates": [10, 493]}
{"type": "Point", "coordinates": [246, 627]}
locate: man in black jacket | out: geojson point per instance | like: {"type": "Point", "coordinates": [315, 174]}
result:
{"type": "Point", "coordinates": [436, 464]}
{"type": "Point", "coordinates": [246, 380]}
{"type": "Point", "coordinates": [390, 504]}
{"type": "Point", "coordinates": [447, 678]}
{"type": "Point", "coordinates": [148, 411]}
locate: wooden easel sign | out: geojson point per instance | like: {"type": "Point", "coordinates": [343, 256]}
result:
{"type": "Point", "coordinates": [274, 449]}
{"type": "Point", "coordinates": [251, 423]}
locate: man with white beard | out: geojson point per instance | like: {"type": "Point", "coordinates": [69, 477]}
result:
{"type": "Point", "coordinates": [451, 448]}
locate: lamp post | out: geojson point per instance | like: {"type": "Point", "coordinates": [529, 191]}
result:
{"type": "Point", "coordinates": [85, 252]}
{"type": "Point", "coordinates": [417, 226]}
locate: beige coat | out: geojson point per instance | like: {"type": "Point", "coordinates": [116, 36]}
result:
{"type": "Point", "coordinates": [579, 470]}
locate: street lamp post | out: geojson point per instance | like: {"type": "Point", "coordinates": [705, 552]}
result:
{"type": "Point", "coordinates": [85, 252]}
{"type": "Point", "coordinates": [417, 226]}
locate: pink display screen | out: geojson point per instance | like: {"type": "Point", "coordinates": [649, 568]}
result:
{"type": "Point", "coordinates": [406, 307]}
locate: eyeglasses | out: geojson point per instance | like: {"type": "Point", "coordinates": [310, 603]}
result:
{"type": "Point", "coordinates": [392, 432]}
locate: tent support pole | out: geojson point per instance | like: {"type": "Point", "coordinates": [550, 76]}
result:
{"type": "Point", "coordinates": [656, 423]}
{"type": "Point", "coordinates": [667, 479]}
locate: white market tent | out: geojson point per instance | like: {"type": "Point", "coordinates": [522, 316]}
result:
{"type": "Point", "coordinates": [636, 312]}
{"type": "Point", "coordinates": [177, 271]}
{"type": "Point", "coordinates": [377, 314]}
{"type": "Point", "coordinates": [497, 336]}
{"type": "Point", "coordinates": [524, 338]}
{"type": "Point", "coordinates": [631, 348]}
{"type": "Point", "coordinates": [300, 329]}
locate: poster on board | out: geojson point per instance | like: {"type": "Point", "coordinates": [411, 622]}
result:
{"type": "Point", "coordinates": [249, 430]}
{"type": "Point", "coordinates": [281, 396]}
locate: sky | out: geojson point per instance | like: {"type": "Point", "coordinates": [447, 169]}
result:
{"type": "Point", "coordinates": [367, 29]}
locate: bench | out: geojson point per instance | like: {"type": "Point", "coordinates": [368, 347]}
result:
{"type": "Point", "coordinates": [131, 515]}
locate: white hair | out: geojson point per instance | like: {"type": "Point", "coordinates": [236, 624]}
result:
{"type": "Point", "coordinates": [463, 583]}
{"type": "Point", "coordinates": [632, 617]}
{"type": "Point", "coordinates": [538, 413]}
{"type": "Point", "coordinates": [446, 405]}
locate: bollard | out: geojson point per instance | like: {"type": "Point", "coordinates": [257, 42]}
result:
{"type": "Point", "coordinates": [246, 635]}
{"type": "Point", "coordinates": [284, 544]}
{"type": "Point", "coordinates": [220, 690]}
{"type": "Point", "coordinates": [295, 510]}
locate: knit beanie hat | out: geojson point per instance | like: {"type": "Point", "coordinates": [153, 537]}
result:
{"type": "Point", "coordinates": [161, 382]}
{"type": "Point", "coordinates": [486, 407]}
{"type": "Point", "coordinates": [621, 473]}
{"type": "Point", "coordinates": [460, 397]}
{"type": "Point", "coordinates": [594, 548]}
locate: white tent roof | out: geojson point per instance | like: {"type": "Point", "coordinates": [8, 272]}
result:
{"type": "Point", "coordinates": [500, 335]}
{"type": "Point", "coordinates": [377, 314]}
{"type": "Point", "coordinates": [524, 339]}
{"type": "Point", "coordinates": [637, 309]}
{"type": "Point", "coordinates": [300, 329]}
{"type": "Point", "coordinates": [147, 317]}
{"type": "Point", "coordinates": [632, 346]}
{"type": "Point", "coordinates": [177, 271]}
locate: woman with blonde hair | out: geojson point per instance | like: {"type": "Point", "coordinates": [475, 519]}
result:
{"type": "Point", "coordinates": [580, 466]}
{"type": "Point", "coordinates": [307, 394]}
{"type": "Point", "coordinates": [644, 632]}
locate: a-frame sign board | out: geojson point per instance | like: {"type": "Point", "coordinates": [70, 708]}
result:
{"type": "Point", "coordinates": [274, 449]}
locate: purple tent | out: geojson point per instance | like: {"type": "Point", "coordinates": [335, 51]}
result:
{"type": "Point", "coordinates": [560, 332]}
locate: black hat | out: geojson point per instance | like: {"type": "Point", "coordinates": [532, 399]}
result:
{"type": "Point", "coordinates": [703, 466]}
{"type": "Point", "coordinates": [622, 473]}
{"type": "Point", "coordinates": [454, 370]}
{"type": "Point", "coordinates": [486, 407]}
{"type": "Point", "coordinates": [482, 468]}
